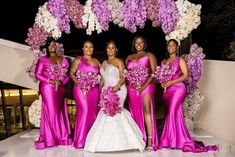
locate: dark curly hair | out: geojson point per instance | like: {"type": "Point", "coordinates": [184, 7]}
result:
{"type": "Point", "coordinates": [47, 44]}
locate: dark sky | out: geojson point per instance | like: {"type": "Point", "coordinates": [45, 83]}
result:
{"type": "Point", "coordinates": [19, 16]}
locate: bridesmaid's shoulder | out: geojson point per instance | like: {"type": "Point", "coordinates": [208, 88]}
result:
{"type": "Point", "coordinates": [96, 61]}
{"type": "Point", "coordinates": [77, 59]}
{"type": "Point", "coordinates": [182, 60]}
{"type": "Point", "coordinates": [130, 57]}
{"type": "Point", "coordinates": [43, 59]}
{"type": "Point", "coordinates": [120, 61]}
{"type": "Point", "coordinates": [150, 54]}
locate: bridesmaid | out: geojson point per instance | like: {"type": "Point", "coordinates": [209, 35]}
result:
{"type": "Point", "coordinates": [54, 125]}
{"type": "Point", "coordinates": [175, 133]}
{"type": "Point", "coordinates": [142, 105]}
{"type": "Point", "coordinates": [86, 105]}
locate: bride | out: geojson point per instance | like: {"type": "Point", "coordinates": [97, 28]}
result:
{"type": "Point", "coordinates": [119, 132]}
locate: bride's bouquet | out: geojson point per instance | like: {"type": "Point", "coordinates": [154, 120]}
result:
{"type": "Point", "coordinates": [164, 73]}
{"type": "Point", "coordinates": [137, 76]}
{"type": "Point", "coordinates": [57, 72]}
{"type": "Point", "coordinates": [109, 102]}
{"type": "Point", "coordinates": [87, 80]}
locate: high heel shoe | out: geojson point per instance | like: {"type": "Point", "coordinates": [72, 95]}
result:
{"type": "Point", "coordinates": [149, 148]}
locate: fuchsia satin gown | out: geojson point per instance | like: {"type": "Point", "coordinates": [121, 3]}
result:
{"type": "Point", "coordinates": [54, 124]}
{"type": "Point", "coordinates": [86, 106]}
{"type": "Point", "coordinates": [175, 133]}
{"type": "Point", "coordinates": [136, 102]}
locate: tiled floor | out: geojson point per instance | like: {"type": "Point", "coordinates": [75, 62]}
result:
{"type": "Point", "coordinates": [22, 145]}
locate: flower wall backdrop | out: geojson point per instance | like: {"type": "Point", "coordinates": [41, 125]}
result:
{"type": "Point", "coordinates": [194, 99]}
{"type": "Point", "coordinates": [177, 19]}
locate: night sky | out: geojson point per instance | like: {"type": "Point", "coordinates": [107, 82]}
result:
{"type": "Point", "coordinates": [20, 16]}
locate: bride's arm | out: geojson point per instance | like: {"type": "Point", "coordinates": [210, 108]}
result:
{"type": "Point", "coordinates": [121, 68]}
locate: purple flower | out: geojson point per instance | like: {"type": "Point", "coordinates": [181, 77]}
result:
{"type": "Point", "coordinates": [32, 69]}
{"type": "Point", "coordinates": [57, 71]}
{"type": "Point", "coordinates": [58, 10]}
{"type": "Point", "coordinates": [59, 49]}
{"type": "Point", "coordinates": [152, 12]}
{"type": "Point", "coordinates": [87, 80]}
{"type": "Point", "coordinates": [194, 62]}
{"type": "Point", "coordinates": [164, 73]}
{"type": "Point", "coordinates": [168, 15]}
{"type": "Point", "coordinates": [109, 102]}
{"type": "Point", "coordinates": [134, 12]}
{"type": "Point", "coordinates": [137, 76]}
{"type": "Point", "coordinates": [37, 37]}
{"type": "Point", "coordinates": [75, 12]}
{"type": "Point", "coordinates": [102, 13]}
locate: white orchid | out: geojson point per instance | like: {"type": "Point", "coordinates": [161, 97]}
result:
{"type": "Point", "coordinates": [115, 6]}
{"type": "Point", "coordinates": [47, 21]}
{"type": "Point", "coordinates": [189, 20]}
{"type": "Point", "coordinates": [35, 112]}
{"type": "Point", "coordinates": [192, 104]}
{"type": "Point", "coordinates": [89, 19]}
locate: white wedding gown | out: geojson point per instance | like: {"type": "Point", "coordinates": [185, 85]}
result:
{"type": "Point", "coordinates": [116, 133]}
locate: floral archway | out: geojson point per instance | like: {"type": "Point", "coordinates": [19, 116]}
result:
{"type": "Point", "coordinates": [177, 19]}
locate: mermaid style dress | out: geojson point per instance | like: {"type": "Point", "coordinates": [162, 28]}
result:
{"type": "Point", "coordinates": [116, 133]}
{"type": "Point", "coordinates": [86, 106]}
{"type": "Point", "coordinates": [136, 102]}
{"type": "Point", "coordinates": [175, 133]}
{"type": "Point", "coordinates": [54, 124]}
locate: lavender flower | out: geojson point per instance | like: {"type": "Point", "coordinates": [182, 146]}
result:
{"type": "Point", "coordinates": [37, 37]}
{"type": "Point", "coordinates": [168, 15]}
{"type": "Point", "coordinates": [134, 12]}
{"type": "Point", "coordinates": [57, 71]}
{"type": "Point", "coordinates": [194, 62]}
{"type": "Point", "coordinates": [75, 12]}
{"type": "Point", "coordinates": [87, 80]}
{"type": "Point", "coordinates": [102, 13]}
{"type": "Point", "coordinates": [58, 10]}
{"type": "Point", "coordinates": [152, 12]}
{"type": "Point", "coordinates": [31, 70]}
{"type": "Point", "coordinates": [164, 73]}
{"type": "Point", "coordinates": [137, 76]}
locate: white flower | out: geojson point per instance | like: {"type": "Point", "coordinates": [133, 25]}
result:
{"type": "Point", "coordinates": [115, 6]}
{"type": "Point", "coordinates": [192, 103]}
{"type": "Point", "coordinates": [35, 112]}
{"type": "Point", "coordinates": [189, 20]}
{"type": "Point", "coordinates": [46, 20]}
{"type": "Point", "coordinates": [89, 19]}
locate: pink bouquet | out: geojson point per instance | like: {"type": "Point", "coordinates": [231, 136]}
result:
{"type": "Point", "coordinates": [164, 73]}
{"type": "Point", "coordinates": [57, 72]}
{"type": "Point", "coordinates": [109, 102]}
{"type": "Point", "coordinates": [87, 80]}
{"type": "Point", "coordinates": [137, 76]}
